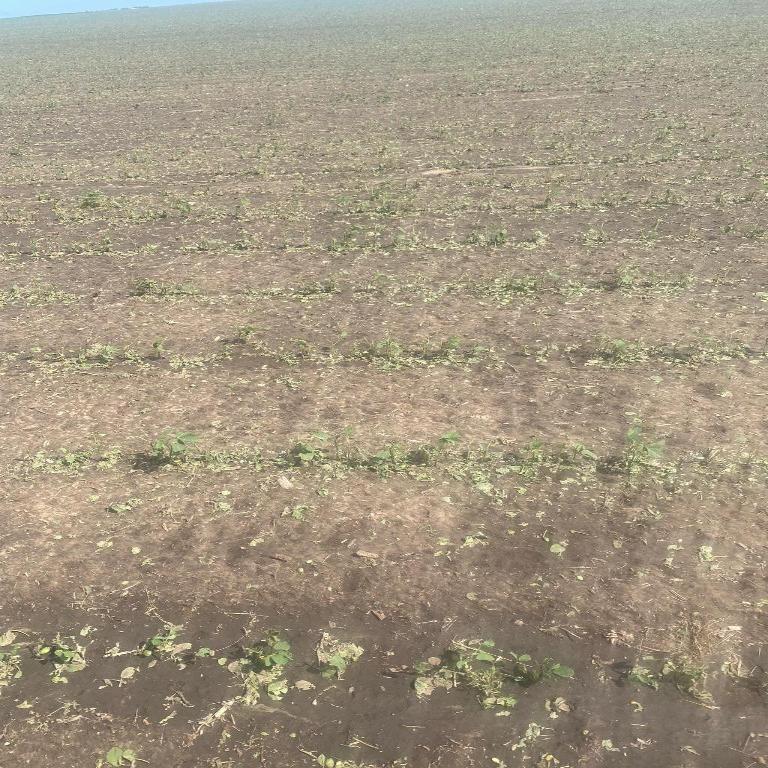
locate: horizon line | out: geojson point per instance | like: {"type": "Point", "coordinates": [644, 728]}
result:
{"type": "Point", "coordinates": [130, 7]}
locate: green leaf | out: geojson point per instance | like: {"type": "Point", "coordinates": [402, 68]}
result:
{"type": "Point", "coordinates": [336, 665]}
{"type": "Point", "coordinates": [560, 670]}
{"type": "Point", "coordinates": [507, 702]}
{"type": "Point", "coordinates": [644, 676]}
{"type": "Point", "coordinates": [449, 438]}
{"type": "Point", "coordinates": [115, 756]}
{"type": "Point", "coordinates": [277, 689]}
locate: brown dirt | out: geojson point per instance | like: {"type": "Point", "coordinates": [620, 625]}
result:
{"type": "Point", "coordinates": [406, 156]}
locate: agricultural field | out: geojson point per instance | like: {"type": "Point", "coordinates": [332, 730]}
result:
{"type": "Point", "coordinates": [384, 385]}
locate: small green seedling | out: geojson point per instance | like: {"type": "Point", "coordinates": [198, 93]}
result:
{"type": "Point", "coordinates": [92, 200]}
{"type": "Point", "coordinates": [119, 757]}
{"type": "Point", "coordinates": [643, 676]}
{"type": "Point", "coordinates": [65, 658]}
{"type": "Point", "coordinates": [158, 348]}
{"type": "Point", "coordinates": [449, 439]}
{"type": "Point", "coordinates": [163, 645]}
{"type": "Point", "coordinates": [309, 451]}
{"type": "Point", "coordinates": [172, 448]}
{"type": "Point", "coordinates": [262, 667]}
{"type": "Point", "coordinates": [298, 512]}
{"type": "Point", "coordinates": [244, 332]}
{"type": "Point", "coordinates": [640, 453]}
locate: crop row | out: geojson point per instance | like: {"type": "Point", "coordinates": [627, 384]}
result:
{"type": "Point", "coordinates": [390, 354]}
{"type": "Point", "coordinates": [502, 290]}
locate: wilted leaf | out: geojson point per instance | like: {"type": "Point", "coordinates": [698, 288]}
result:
{"type": "Point", "coordinates": [424, 686]}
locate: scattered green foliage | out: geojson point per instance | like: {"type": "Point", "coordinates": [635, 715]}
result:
{"type": "Point", "coordinates": [643, 676]}
{"type": "Point", "coordinates": [159, 290]}
{"type": "Point", "coordinates": [263, 209]}
{"type": "Point", "coordinates": [35, 295]}
{"type": "Point", "coordinates": [478, 666]}
{"type": "Point", "coordinates": [506, 290]}
{"type": "Point", "coordinates": [10, 659]}
{"type": "Point", "coordinates": [123, 507]}
{"type": "Point", "coordinates": [261, 668]}
{"type": "Point", "coordinates": [334, 656]}
{"type": "Point", "coordinates": [630, 277]}
{"type": "Point", "coordinates": [493, 238]}
{"type": "Point", "coordinates": [92, 200]}
{"type": "Point", "coordinates": [304, 292]}
{"type": "Point", "coordinates": [686, 676]}
{"type": "Point", "coordinates": [65, 657]}
{"type": "Point", "coordinates": [164, 645]}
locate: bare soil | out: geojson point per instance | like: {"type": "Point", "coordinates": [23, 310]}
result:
{"type": "Point", "coordinates": [464, 305]}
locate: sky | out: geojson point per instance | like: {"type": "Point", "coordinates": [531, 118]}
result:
{"type": "Point", "coordinates": [11, 8]}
